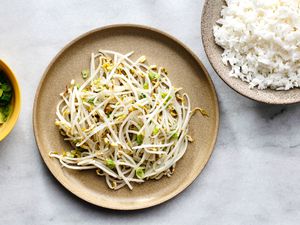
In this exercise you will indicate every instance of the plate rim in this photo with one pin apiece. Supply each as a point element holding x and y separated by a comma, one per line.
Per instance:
<point>115,205</point>
<point>221,75</point>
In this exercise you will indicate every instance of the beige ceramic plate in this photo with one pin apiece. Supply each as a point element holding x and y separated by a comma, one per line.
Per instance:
<point>185,70</point>
<point>211,13</point>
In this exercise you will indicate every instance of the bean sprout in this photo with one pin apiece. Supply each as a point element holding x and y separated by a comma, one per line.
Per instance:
<point>126,121</point>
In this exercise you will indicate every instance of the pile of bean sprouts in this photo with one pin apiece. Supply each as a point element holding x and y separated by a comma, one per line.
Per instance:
<point>126,120</point>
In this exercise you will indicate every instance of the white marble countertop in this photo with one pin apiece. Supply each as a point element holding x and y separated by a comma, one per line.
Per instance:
<point>253,174</point>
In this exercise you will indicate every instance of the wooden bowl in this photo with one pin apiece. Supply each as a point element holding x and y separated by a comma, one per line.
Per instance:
<point>211,13</point>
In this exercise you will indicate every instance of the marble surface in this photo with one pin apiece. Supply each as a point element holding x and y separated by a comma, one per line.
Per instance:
<point>251,178</point>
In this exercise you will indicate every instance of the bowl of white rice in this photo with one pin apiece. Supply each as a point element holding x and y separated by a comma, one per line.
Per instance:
<point>254,46</point>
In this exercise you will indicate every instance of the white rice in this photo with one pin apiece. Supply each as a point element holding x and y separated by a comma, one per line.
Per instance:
<point>261,42</point>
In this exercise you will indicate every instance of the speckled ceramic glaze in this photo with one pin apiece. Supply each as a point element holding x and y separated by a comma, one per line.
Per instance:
<point>185,70</point>
<point>211,13</point>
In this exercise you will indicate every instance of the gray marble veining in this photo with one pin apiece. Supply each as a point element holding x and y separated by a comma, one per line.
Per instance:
<point>252,177</point>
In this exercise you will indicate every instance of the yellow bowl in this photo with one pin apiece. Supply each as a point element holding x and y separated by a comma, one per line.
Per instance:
<point>7,127</point>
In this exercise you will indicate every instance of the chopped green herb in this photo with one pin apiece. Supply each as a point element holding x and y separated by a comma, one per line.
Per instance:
<point>5,87</point>
<point>168,99</point>
<point>2,118</point>
<point>153,75</point>
<point>139,139</point>
<point>139,172</point>
<point>91,101</point>
<point>164,94</point>
<point>6,94</point>
<point>85,73</point>
<point>155,130</point>
<point>175,136</point>
<point>110,163</point>
<point>146,86</point>
<point>6,97</point>
<point>141,96</point>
